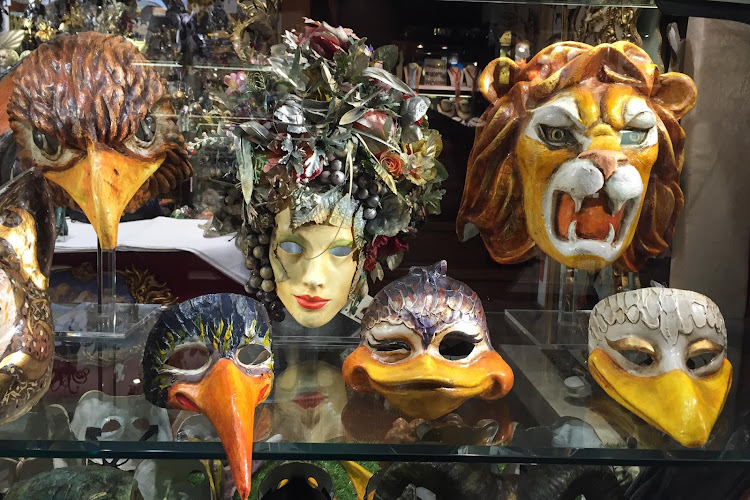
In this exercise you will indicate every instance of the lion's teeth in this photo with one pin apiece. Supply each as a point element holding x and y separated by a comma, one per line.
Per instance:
<point>578,201</point>
<point>611,234</point>
<point>616,205</point>
<point>572,232</point>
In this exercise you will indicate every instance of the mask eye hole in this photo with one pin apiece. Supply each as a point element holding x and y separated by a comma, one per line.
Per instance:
<point>638,358</point>
<point>700,360</point>
<point>557,136</point>
<point>142,424</point>
<point>146,130</point>
<point>190,357</point>
<point>111,425</point>
<point>291,247</point>
<point>702,353</point>
<point>47,144</point>
<point>636,350</point>
<point>389,350</point>
<point>457,345</point>
<point>340,251</point>
<point>633,137</point>
<point>252,355</point>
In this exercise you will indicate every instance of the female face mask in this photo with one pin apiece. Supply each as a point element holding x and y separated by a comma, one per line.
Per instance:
<point>425,346</point>
<point>212,355</point>
<point>662,354</point>
<point>318,264</point>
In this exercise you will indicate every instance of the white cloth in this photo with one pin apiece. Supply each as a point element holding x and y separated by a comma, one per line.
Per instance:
<point>163,234</point>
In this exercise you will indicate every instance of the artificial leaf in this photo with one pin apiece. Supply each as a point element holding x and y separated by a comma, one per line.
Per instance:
<point>352,115</point>
<point>245,168</point>
<point>442,173</point>
<point>257,132</point>
<point>360,63</point>
<point>377,273</point>
<point>379,169</point>
<point>431,197</point>
<point>388,54</point>
<point>393,261</point>
<point>387,78</point>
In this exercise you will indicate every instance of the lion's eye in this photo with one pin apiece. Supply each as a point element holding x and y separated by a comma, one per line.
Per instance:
<point>557,136</point>
<point>633,137</point>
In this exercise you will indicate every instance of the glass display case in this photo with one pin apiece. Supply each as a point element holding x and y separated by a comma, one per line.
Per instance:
<point>452,250</point>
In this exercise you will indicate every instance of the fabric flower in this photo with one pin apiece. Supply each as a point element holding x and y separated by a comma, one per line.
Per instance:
<point>326,40</point>
<point>420,169</point>
<point>378,124</point>
<point>235,82</point>
<point>391,161</point>
<point>382,246</point>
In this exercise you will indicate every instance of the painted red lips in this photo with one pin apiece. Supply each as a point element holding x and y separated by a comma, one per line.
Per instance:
<point>309,302</point>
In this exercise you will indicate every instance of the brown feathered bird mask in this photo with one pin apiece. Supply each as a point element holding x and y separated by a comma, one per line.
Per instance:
<point>91,113</point>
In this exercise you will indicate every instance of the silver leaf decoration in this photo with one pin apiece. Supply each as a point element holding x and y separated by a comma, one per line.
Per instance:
<point>411,133</point>
<point>314,207</point>
<point>290,113</point>
<point>257,132</point>
<point>352,115</point>
<point>387,78</point>
<point>414,108</point>
<point>244,152</point>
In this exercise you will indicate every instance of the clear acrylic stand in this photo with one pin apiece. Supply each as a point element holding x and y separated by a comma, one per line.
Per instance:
<point>107,317</point>
<point>567,324</point>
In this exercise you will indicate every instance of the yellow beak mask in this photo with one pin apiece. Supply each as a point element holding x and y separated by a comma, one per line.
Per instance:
<point>661,353</point>
<point>425,346</point>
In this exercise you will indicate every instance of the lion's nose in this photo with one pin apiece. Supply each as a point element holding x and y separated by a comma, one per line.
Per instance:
<point>605,160</point>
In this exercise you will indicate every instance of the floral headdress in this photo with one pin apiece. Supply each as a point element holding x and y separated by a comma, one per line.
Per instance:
<point>327,130</point>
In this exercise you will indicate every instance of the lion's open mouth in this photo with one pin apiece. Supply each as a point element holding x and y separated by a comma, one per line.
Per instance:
<point>584,215</point>
<point>594,217</point>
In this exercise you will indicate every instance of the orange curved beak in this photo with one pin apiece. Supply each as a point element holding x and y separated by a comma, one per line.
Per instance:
<point>677,404</point>
<point>228,397</point>
<point>426,387</point>
<point>102,184</point>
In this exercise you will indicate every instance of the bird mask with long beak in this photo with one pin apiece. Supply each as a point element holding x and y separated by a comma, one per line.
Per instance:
<point>662,354</point>
<point>91,113</point>
<point>425,346</point>
<point>212,355</point>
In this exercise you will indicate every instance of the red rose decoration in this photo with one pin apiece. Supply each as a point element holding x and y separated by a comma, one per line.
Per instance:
<point>391,161</point>
<point>382,246</point>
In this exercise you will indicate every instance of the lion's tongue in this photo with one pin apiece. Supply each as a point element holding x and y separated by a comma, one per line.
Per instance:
<point>592,220</point>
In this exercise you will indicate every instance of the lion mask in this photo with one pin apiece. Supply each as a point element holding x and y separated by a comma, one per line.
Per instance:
<point>579,154</point>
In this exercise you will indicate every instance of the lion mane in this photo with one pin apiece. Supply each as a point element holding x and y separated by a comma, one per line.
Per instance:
<point>492,201</point>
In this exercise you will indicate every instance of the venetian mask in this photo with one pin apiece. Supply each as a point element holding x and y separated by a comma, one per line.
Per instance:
<point>114,142</point>
<point>101,417</point>
<point>662,354</point>
<point>309,399</point>
<point>425,346</point>
<point>581,157</point>
<point>314,265</point>
<point>212,355</point>
<point>27,239</point>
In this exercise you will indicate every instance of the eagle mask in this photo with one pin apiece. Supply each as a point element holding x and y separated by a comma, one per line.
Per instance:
<point>92,115</point>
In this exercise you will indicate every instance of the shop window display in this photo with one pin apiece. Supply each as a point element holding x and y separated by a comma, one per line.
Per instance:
<point>327,163</point>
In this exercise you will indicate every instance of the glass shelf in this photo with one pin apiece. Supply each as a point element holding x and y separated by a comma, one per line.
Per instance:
<point>540,421</point>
